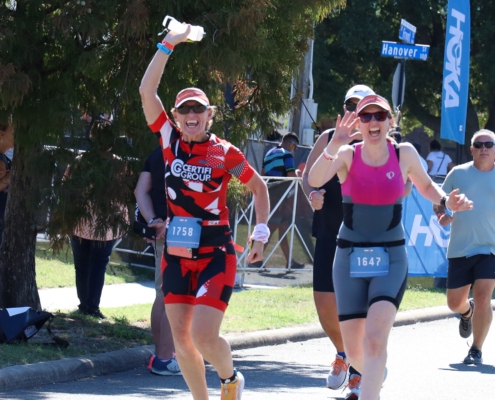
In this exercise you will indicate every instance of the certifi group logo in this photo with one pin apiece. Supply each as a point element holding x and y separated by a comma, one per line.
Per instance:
<point>190,172</point>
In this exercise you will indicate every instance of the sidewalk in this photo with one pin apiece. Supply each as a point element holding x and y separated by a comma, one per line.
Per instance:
<point>121,295</point>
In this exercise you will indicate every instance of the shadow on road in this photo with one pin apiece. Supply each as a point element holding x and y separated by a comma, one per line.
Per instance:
<point>262,378</point>
<point>480,368</point>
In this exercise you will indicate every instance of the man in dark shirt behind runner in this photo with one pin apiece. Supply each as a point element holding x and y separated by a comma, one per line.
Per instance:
<point>279,162</point>
<point>327,202</point>
<point>152,203</point>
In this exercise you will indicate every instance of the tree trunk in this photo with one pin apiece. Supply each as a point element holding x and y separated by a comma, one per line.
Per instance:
<point>17,251</point>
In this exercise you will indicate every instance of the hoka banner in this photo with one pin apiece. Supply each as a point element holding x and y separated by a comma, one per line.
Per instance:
<point>426,240</point>
<point>456,71</point>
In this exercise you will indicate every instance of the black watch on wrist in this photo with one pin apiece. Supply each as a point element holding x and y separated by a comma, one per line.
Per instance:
<point>443,202</point>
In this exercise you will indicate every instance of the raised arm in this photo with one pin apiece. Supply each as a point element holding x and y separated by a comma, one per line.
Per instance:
<point>152,105</point>
<point>336,156</point>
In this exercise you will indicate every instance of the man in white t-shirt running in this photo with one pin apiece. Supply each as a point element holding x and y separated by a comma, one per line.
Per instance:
<point>471,250</point>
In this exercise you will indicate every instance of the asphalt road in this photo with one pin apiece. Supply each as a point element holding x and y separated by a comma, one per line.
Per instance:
<point>425,362</point>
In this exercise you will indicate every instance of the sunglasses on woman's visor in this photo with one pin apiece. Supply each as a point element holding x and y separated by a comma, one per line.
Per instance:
<point>350,106</point>
<point>379,116</point>
<point>197,109</point>
<point>479,145</point>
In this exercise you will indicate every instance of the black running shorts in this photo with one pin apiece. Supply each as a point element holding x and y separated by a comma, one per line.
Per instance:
<point>323,263</point>
<point>464,271</point>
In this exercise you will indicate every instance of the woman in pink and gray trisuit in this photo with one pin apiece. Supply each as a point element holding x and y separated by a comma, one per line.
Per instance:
<point>370,266</point>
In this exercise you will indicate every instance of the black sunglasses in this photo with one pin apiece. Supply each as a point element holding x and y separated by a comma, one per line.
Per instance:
<point>197,109</point>
<point>479,145</point>
<point>350,106</point>
<point>379,116</point>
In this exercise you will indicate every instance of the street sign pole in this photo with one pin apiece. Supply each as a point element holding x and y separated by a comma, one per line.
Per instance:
<point>401,88</point>
<point>404,51</point>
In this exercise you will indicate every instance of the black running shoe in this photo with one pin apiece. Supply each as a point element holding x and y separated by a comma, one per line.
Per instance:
<point>466,325</point>
<point>474,356</point>
<point>98,314</point>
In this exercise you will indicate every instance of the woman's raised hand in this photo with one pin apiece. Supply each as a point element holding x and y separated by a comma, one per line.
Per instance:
<point>344,127</point>
<point>175,38</point>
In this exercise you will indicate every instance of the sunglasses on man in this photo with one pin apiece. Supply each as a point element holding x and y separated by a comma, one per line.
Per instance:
<point>350,106</point>
<point>197,109</point>
<point>380,116</point>
<point>479,145</point>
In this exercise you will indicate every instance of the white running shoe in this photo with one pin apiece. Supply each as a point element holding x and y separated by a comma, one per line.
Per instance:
<point>339,374</point>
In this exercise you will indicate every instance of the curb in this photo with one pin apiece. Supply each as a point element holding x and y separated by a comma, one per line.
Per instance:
<point>69,369</point>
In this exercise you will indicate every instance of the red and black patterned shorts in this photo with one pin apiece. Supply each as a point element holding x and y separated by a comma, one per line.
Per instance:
<point>208,281</point>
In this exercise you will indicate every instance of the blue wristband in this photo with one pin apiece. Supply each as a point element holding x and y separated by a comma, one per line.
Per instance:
<point>164,49</point>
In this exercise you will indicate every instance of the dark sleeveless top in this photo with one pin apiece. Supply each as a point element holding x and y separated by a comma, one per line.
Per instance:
<point>327,221</point>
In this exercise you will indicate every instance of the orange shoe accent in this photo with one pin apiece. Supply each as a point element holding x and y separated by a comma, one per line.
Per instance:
<point>152,357</point>
<point>354,382</point>
<point>339,365</point>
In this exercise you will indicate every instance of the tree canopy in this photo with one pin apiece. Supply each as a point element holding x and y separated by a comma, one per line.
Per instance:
<point>62,60</point>
<point>347,52</point>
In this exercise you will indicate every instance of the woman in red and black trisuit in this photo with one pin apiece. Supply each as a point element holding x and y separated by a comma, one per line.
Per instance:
<point>198,280</point>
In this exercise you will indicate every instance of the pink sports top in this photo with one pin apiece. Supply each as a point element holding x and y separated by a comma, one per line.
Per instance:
<point>372,200</point>
<point>375,186</point>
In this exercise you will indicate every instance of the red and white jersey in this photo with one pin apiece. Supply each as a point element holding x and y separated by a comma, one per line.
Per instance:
<point>197,174</point>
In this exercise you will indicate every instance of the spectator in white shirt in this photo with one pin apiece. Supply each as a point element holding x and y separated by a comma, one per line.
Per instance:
<point>439,163</point>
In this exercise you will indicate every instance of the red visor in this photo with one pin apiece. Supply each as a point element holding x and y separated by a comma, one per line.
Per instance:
<point>373,99</point>
<point>191,94</point>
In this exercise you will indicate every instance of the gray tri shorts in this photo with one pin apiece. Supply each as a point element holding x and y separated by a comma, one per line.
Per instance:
<point>356,295</point>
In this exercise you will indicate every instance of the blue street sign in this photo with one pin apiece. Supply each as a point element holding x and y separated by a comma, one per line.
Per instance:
<point>407,32</point>
<point>416,52</point>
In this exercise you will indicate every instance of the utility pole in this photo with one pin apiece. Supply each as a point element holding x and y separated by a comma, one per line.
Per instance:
<point>304,115</point>
<point>302,89</point>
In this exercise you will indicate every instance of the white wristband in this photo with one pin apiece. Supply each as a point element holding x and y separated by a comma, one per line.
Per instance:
<point>327,155</point>
<point>261,233</point>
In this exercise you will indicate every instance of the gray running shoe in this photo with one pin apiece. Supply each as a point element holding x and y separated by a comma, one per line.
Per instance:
<point>474,356</point>
<point>466,324</point>
<point>338,376</point>
<point>355,387</point>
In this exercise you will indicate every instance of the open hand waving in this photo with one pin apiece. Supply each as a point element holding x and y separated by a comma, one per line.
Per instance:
<point>343,129</point>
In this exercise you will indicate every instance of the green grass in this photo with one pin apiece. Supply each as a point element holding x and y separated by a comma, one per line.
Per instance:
<point>420,293</point>
<point>86,336</point>
<point>254,310</point>
<point>57,270</point>
<point>249,310</point>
